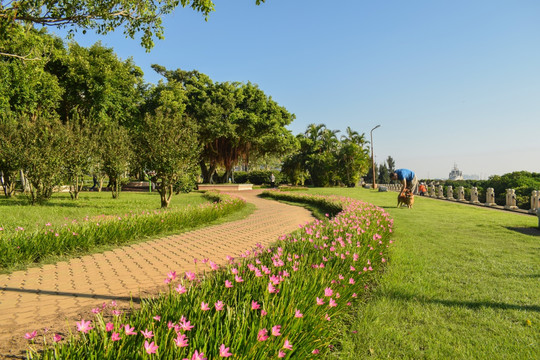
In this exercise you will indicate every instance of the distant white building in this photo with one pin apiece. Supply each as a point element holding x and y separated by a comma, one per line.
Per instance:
<point>455,174</point>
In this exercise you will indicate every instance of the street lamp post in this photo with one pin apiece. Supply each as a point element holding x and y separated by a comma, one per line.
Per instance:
<point>372,158</point>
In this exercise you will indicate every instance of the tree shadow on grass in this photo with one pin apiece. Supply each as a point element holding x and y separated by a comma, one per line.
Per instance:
<point>531,231</point>
<point>473,305</point>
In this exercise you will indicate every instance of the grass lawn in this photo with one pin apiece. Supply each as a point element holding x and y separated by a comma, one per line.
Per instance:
<point>463,282</point>
<point>60,209</point>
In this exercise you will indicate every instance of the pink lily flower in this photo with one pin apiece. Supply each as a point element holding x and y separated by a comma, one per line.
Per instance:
<point>315,351</point>
<point>147,334</point>
<point>84,326</point>
<point>190,275</point>
<point>157,318</point>
<point>109,326</point>
<point>276,330</point>
<point>57,338</point>
<point>298,314</point>
<point>228,284</point>
<point>255,305</point>
<point>129,330</point>
<point>181,340</point>
<point>204,306</point>
<point>219,305</point>
<point>332,303</point>
<point>180,289</point>
<point>262,335</point>
<point>150,348</point>
<point>328,292</point>
<point>320,301</point>
<point>172,275</point>
<point>287,345</point>
<point>263,313</point>
<point>224,351</point>
<point>198,356</point>
<point>238,278</point>
<point>30,336</point>
<point>115,336</point>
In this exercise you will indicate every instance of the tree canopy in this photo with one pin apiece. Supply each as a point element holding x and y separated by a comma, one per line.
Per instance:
<point>144,16</point>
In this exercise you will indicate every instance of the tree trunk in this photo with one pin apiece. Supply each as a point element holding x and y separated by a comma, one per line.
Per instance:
<point>165,193</point>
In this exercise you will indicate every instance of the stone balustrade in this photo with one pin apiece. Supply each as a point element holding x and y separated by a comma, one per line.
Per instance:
<point>437,191</point>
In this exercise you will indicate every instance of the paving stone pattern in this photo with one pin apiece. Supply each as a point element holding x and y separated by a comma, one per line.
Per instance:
<point>57,295</point>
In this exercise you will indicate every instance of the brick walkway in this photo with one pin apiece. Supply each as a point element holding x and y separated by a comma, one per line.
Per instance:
<point>59,294</point>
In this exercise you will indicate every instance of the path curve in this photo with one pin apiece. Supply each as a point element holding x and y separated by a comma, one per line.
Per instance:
<point>54,295</point>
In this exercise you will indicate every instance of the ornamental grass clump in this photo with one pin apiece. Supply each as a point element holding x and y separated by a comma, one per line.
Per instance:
<point>288,300</point>
<point>24,247</point>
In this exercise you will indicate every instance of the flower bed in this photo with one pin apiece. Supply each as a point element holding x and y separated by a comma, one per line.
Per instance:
<point>26,247</point>
<point>285,301</point>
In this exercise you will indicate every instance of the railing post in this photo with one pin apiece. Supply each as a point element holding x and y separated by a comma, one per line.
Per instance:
<point>432,190</point>
<point>490,197</point>
<point>440,194</point>
<point>461,194</point>
<point>510,199</point>
<point>535,201</point>
<point>450,193</point>
<point>474,196</point>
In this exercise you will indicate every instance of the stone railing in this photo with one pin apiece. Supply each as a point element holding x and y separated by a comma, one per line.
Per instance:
<point>437,192</point>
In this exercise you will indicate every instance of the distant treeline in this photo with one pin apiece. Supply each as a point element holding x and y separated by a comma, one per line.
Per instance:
<point>523,182</point>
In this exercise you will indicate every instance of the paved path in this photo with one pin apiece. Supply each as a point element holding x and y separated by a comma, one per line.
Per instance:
<point>59,294</point>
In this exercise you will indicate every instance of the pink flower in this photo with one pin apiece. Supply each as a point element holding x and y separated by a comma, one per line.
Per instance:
<point>320,301</point>
<point>228,284</point>
<point>326,317</point>
<point>150,348</point>
<point>96,310</point>
<point>57,338</point>
<point>281,354</point>
<point>115,336</point>
<point>276,330</point>
<point>157,318</point>
<point>180,289</point>
<point>84,326</point>
<point>172,275</point>
<point>271,288</point>
<point>213,265</point>
<point>116,312</point>
<point>354,295</point>
<point>30,336</point>
<point>263,313</point>
<point>198,356</point>
<point>147,334</point>
<point>332,303</point>
<point>224,351</point>
<point>190,275</point>
<point>219,305</point>
<point>186,325</point>
<point>181,340</point>
<point>315,351</point>
<point>287,345</point>
<point>383,260</point>
<point>262,335</point>
<point>204,306</point>
<point>109,326</point>
<point>328,292</point>
<point>298,314</point>
<point>170,324</point>
<point>238,278</point>
<point>129,330</point>
<point>234,271</point>
<point>351,281</point>
<point>255,305</point>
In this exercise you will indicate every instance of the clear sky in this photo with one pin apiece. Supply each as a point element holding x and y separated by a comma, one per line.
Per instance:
<point>449,81</point>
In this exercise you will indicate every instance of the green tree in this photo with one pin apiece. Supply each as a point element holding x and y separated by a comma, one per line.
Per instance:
<point>235,121</point>
<point>117,153</point>
<point>78,156</point>
<point>135,17</point>
<point>166,149</point>
<point>384,175</point>
<point>44,141</point>
<point>11,150</point>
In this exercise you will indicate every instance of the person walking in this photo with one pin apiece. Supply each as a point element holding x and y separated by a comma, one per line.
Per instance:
<point>408,180</point>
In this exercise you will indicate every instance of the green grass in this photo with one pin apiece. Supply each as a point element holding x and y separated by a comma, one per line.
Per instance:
<point>463,283</point>
<point>61,209</point>
<point>92,234</point>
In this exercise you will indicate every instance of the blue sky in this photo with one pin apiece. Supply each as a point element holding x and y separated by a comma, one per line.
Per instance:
<point>448,81</point>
